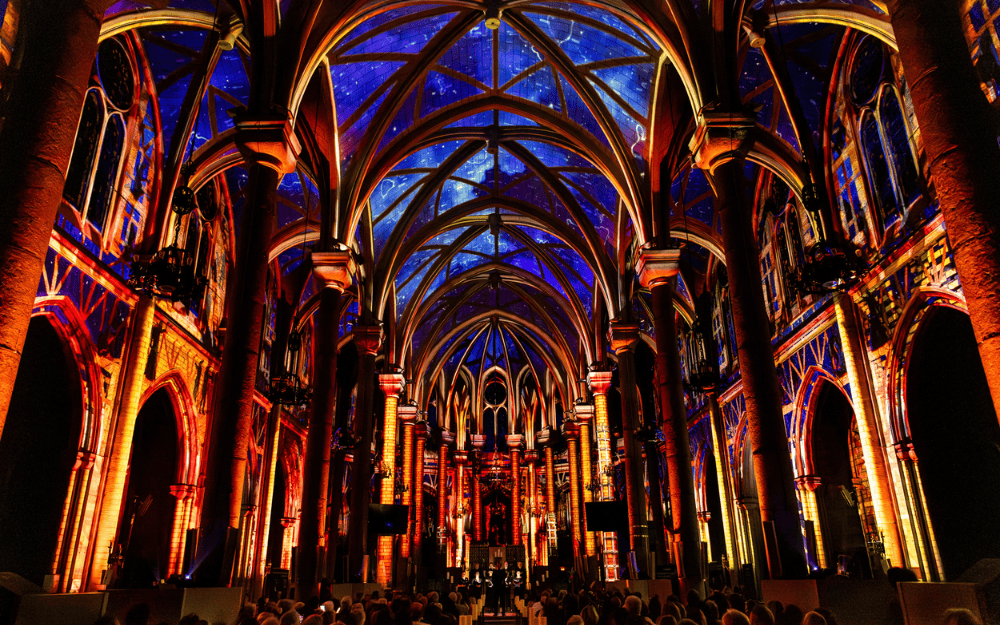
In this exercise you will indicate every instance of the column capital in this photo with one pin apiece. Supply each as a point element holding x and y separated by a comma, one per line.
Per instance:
<point>421,430</point>
<point>531,456</point>
<point>571,429</point>
<point>599,381</point>
<point>391,383</point>
<point>461,457</point>
<point>584,412</point>
<point>367,338</point>
<point>288,521</point>
<point>447,439</point>
<point>182,491</point>
<point>478,440</point>
<point>704,516</point>
<point>267,139</point>
<point>721,136</point>
<point>407,413</point>
<point>657,267</point>
<point>334,270</point>
<point>86,459</point>
<point>515,442</point>
<point>904,450</point>
<point>543,437</point>
<point>808,482</point>
<point>623,336</point>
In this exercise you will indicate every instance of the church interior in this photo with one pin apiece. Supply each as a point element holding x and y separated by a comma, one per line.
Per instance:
<point>305,295</point>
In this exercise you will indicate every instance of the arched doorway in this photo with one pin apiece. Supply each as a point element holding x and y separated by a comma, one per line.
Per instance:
<point>37,453</point>
<point>956,439</point>
<point>276,531</point>
<point>843,490</point>
<point>713,503</point>
<point>147,520</point>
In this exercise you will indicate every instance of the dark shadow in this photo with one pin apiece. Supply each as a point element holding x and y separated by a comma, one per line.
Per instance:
<point>37,453</point>
<point>276,531</point>
<point>956,439</point>
<point>148,508</point>
<point>840,523</point>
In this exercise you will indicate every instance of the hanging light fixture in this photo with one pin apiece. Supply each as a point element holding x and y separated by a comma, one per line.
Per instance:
<point>170,273</point>
<point>287,389</point>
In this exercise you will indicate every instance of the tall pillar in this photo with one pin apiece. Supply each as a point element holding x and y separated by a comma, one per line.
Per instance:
<point>269,146</point>
<point>572,433</point>
<point>856,362</point>
<point>624,337</point>
<point>656,269</point>
<point>765,421</point>
<point>656,521</point>
<point>333,272</point>
<point>964,159</point>
<point>720,449</point>
<point>584,414</point>
<point>807,485</point>
<point>391,385</point>
<point>367,339</point>
<point>447,440</point>
<point>121,444</point>
<point>534,507</point>
<point>461,461</point>
<point>550,489</point>
<point>477,499</point>
<point>57,46</point>
<point>420,435</point>
<point>600,382</point>
<point>407,414</point>
<point>515,442</point>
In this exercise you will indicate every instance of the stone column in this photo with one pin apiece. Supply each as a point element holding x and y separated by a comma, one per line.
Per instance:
<point>623,337</point>
<point>515,442</point>
<point>584,415</point>
<point>407,414</point>
<point>656,269</point>
<point>765,421</point>
<point>57,44</point>
<point>420,435</point>
<point>121,444</point>
<point>720,449</point>
<point>600,382</point>
<point>550,485</point>
<point>478,442</point>
<point>572,433</point>
<point>333,272</point>
<point>955,121</point>
<point>184,494</point>
<point>367,339</point>
<point>531,459</point>
<point>856,362</point>
<point>391,385</point>
<point>447,441</point>
<point>807,485</point>
<point>269,146</point>
<point>461,461</point>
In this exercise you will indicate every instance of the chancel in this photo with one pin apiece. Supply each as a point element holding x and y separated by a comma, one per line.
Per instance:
<point>312,299</point>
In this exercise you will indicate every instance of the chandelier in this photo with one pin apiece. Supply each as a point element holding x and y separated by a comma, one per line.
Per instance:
<point>825,268</point>
<point>170,273</point>
<point>287,389</point>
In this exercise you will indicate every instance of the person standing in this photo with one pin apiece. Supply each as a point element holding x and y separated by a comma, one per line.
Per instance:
<point>499,578</point>
<point>518,580</point>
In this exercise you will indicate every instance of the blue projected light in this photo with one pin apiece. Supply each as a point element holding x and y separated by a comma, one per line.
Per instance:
<point>582,43</point>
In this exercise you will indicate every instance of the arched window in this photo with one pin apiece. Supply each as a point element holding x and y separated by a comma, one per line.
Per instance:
<point>878,167</point>
<point>93,181</point>
<point>884,138</point>
<point>897,139</point>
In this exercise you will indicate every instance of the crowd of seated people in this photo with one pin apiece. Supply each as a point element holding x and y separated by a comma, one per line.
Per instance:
<point>589,606</point>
